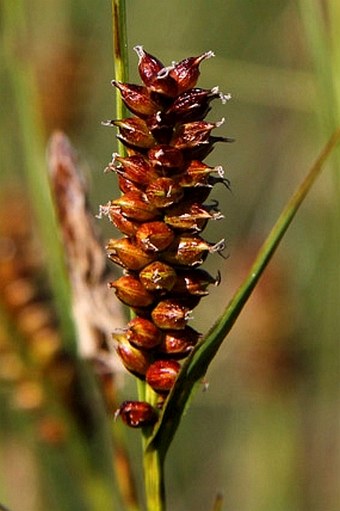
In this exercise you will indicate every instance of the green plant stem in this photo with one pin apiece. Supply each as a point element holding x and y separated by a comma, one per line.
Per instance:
<point>195,367</point>
<point>120,56</point>
<point>154,480</point>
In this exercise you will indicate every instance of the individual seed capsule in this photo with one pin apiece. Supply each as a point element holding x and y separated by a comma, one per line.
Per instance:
<point>197,174</point>
<point>171,314</point>
<point>166,157</point>
<point>164,192</point>
<point>154,236</point>
<point>127,186</point>
<point>127,254</point>
<point>193,133</point>
<point>158,276</point>
<point>194,282</point>
<point>131,291</point>
<point>123,224</point>
<point>191,105</point>
<point>155,76</point>
<point>188,216</point>
<point>161,374</point>
<point>190,251</point>
<point>143,334</point>
<point>134,205</point>
<point>133,132</point>
<point>136,98</point>
<point>136,168</point>
<point>137,414</point>
<point>136,361</point>
<point>179,343</point>
<point>148,65</point>
<point>186,72</point>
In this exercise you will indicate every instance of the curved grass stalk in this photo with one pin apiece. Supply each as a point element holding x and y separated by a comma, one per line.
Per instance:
<point>196,365</point>
<point>120,55</point>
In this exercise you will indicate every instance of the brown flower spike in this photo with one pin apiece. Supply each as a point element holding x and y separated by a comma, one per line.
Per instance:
<point>161,214</point>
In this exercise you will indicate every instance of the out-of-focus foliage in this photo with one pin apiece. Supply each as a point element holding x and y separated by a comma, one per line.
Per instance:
<point>265,433</point>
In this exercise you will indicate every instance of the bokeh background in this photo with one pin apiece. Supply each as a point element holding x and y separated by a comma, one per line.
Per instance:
<point>266,432</point>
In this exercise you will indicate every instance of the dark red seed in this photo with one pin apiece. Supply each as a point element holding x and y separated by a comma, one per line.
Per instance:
<point>127,186</point>
<point>164,192</point>
<point>171,314</point>
<point>133,132</point>
<point>135,205</point>
<point>136,98</point>
<point>166,157</point>
<point>148,65</point>
<point>136,168</point>
<point>127,254</point>
<point>193,282</point>
<point>179,343</point>
<point>136,361</point>
<point>186,72</point>
<point>154,236</point>
<point>158,276</point>
<point>190,250</point>
<point>122,223</point>
<point>186,216</point>
<point>193,133</point>
<point>143,334</point>
<point>131,291</point>
<point>161,375</point>
<point>191,105</point>
<point>197,174</point>
<point>137,414</point>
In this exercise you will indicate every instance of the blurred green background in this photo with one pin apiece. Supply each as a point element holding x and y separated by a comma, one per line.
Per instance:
<point>266,431</point>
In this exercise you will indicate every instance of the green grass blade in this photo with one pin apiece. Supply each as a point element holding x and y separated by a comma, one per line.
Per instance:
<point>120,56</point>
<point>31,131</point>
<point>197,364</point>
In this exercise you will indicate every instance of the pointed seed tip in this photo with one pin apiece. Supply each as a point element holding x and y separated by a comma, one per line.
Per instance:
<point>219,123</point>
<point>139,50</point>
<point>207,55</point>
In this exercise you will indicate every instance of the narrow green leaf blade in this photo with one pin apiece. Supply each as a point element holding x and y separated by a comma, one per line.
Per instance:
<point>196,365</point>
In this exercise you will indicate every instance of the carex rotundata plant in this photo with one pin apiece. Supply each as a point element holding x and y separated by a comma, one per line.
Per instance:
<point>161,213</point>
